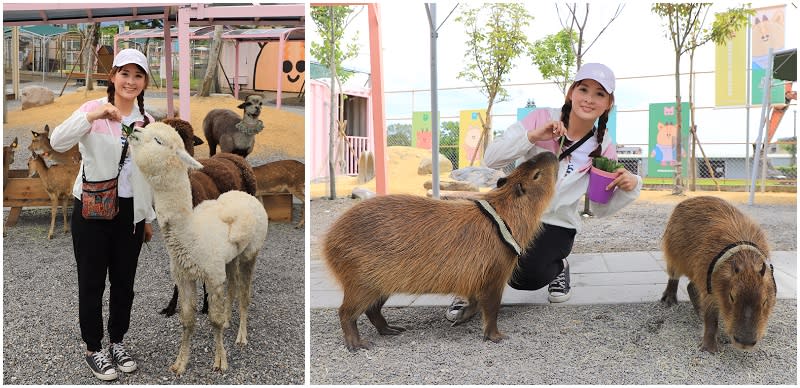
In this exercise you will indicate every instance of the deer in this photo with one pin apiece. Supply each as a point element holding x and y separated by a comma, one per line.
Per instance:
<point>40,144</point>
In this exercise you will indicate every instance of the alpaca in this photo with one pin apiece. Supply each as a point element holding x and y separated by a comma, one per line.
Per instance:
<point>232,133</point>
<point>223,172</point>
<point>57,180</point>
<point>216,242</point>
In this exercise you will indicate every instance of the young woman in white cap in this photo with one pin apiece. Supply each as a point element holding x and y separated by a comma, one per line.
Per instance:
<point>570,133</point>
<point>109,246</point>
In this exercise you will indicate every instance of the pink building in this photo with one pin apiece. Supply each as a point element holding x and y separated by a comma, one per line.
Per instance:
<point>359,130</point>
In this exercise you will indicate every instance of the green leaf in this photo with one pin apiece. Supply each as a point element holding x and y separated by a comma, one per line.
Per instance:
<point>606,164</point>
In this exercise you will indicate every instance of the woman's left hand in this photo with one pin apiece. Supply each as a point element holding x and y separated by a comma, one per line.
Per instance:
<point>625,180</point>
<point>148,232</point>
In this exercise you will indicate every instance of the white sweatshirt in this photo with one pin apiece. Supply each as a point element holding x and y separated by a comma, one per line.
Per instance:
<point>100,145</point>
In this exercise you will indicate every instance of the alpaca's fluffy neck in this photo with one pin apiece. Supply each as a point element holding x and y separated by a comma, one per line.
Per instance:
<point>173,202</point>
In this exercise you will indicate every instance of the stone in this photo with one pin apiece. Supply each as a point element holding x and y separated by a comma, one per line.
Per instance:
<point>479,176</point>
<point>362,193</point>
<point>426,165</point>
<point>452,185</point>
<point>366,167</point>
<point>35,95</point>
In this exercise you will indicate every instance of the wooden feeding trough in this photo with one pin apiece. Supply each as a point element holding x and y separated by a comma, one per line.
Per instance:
<point>21,191</point>
<point>278,205</point>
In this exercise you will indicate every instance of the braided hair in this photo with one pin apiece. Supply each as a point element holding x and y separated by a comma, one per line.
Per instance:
<point>600,133</point>
<point>111,92</point>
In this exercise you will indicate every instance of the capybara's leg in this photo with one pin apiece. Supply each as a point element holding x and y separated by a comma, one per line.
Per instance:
<point>694,297</point>
<point>670,295</point>
<point>711,320</point>
<point>490,305</point>
<point>355,302</point>
<point>470,310</point>
<point>377,319</point>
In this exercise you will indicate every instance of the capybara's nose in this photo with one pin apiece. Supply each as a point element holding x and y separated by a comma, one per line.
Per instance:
<point>745,341</point>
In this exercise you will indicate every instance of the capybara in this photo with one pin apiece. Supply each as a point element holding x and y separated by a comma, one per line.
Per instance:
<point>725,255</point>
<point>416,245</point>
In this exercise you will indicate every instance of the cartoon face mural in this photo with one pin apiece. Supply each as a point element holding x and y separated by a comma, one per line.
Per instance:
<point>292,68</point>
<point>768,32</point>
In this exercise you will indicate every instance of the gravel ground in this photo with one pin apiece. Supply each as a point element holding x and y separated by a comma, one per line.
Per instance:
<point>41,337</point>
<point>591,344</point>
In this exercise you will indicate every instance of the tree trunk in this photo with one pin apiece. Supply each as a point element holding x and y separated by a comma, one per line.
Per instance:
<point>333,130</point>
<point>93,37</point>
<point>213,58</point>
<point>678,189</point>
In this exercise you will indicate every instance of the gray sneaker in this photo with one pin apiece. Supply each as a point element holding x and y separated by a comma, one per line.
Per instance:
<point>456,309</point>
<point>101,366</point>
<point>121,357</point>
<point>559,289</point>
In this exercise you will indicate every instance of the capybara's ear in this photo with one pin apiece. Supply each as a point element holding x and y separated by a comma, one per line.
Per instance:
<point>519,189</point>
<point>763,268</point>
<point>242,105</point>
<point>501,182</point>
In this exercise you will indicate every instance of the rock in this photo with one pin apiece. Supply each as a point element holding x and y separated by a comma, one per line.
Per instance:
<point>366,167</point>
<point>426,166</point>
<point>360,192</point>
<point>452,185</point>
<point>479,176</point>
<point>34,95</point>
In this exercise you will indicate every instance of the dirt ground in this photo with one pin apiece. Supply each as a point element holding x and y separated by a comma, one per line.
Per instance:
<point>283,135</point>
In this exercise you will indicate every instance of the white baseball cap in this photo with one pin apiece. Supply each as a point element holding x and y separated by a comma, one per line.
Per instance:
<point>598,72</point>
<point>134,56</point>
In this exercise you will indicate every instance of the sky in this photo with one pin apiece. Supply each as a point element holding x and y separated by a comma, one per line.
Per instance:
<point>633,45</point>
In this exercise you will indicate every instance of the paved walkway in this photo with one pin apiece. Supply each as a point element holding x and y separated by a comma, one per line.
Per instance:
<point>597,278</point>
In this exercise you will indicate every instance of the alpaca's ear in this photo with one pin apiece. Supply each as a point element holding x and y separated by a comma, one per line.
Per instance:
<point>243,105</point>
<point>188,160</point>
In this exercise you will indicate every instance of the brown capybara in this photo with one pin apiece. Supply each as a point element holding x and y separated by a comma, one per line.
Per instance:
<point>724,254</point>
<point>416,245</point>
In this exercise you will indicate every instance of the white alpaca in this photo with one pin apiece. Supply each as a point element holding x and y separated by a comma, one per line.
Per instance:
<point>217,242</point>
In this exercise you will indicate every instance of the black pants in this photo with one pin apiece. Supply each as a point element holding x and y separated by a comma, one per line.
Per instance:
<point>542,261</point>
<point>106,247</point>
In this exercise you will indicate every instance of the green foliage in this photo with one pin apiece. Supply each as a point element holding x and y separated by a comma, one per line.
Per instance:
<point>496,37</point>
<point>555,58</point>
<point>606,164</point>
<point>789,171</point>
<point>398,135</point>
<point>788,144</point>
<point>684,23</point>
<point>321,51</point>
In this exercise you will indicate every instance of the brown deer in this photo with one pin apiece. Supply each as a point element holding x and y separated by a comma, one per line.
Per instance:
<point>40,145</point>
<point>58,181</point>
<point>8,159</point>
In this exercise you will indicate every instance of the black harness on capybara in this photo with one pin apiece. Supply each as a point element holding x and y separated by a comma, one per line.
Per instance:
<point>727,252</point>
<point>502,228</point>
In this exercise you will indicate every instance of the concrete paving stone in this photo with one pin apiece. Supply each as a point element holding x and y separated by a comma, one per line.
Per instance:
<point>785,261</point>
<point>631,261</point>
<point>619,278</point>
<point>587,263</point>
<point>787,285</point>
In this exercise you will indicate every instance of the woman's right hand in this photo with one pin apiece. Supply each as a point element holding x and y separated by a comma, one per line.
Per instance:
<point>550,130</point>
<point>105,111</point>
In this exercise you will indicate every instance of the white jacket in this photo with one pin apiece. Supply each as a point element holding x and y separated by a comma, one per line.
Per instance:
<point>513,146</point>
<point>101,147</point>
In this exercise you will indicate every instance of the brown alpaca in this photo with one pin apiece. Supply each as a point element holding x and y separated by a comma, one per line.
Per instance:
<point>283,175</point>
<point>235,134</point>
<point>58,181</point>
<point>415,245</point>
<point>740,288</point>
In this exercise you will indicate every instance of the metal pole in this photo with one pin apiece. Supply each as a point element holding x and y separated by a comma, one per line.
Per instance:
<point>765,101</point>
<point>431,8</point>
<point>747,106</point>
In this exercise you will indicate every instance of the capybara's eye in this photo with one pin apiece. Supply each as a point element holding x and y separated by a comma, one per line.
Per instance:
<point>731,295</point>
<point>536,176</point>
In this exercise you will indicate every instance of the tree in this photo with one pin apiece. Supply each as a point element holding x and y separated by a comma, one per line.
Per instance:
<point>554,56</point>
<point>580,25</point>
<point>331,22</point>
<point>210,79</point>
<point>92,39</point>
<point>398,135</point>
<point>684,23</point>
<point>496,38</point>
